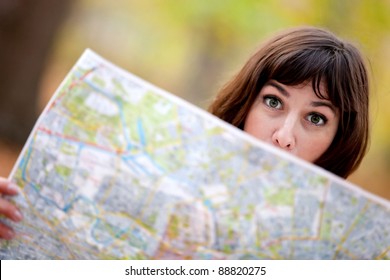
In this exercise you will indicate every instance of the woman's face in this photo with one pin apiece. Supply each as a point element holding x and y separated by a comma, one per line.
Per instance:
<point>294,119</point>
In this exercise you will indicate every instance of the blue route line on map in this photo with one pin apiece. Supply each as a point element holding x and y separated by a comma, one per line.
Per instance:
<point>25,160</point>
<point>126,133</point>
<point>67,206</point>
<point>111,97</point>
<point>94,234</point>
<point>141,132</point>
<point>114,232</point>
<point>133,165</point>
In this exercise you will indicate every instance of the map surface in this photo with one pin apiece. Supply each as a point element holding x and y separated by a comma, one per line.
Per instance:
<point>116,168</point>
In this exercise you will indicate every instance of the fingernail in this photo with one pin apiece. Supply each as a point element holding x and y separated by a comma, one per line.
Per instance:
<point>17,216</point>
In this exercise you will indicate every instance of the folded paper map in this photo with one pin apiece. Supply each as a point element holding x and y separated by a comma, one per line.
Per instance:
<point>117,168</point>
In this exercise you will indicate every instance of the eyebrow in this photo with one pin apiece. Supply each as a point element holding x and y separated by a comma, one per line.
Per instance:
<point>284,92</point>
<point>324,103</point>
<point>280,88</point>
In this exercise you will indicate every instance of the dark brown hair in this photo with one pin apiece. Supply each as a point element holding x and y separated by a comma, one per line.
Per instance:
<point>308,54</point>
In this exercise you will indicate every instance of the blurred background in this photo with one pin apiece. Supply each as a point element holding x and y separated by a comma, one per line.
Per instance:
<point>188,47</point>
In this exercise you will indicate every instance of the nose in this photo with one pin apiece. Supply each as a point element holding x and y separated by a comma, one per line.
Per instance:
<point>284,134</point>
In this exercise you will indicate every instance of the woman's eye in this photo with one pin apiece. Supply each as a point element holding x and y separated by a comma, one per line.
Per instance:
<point>317,119</point>
<point>272,102</point>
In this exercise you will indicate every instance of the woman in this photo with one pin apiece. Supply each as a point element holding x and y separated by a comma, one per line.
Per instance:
<point>307,92</point>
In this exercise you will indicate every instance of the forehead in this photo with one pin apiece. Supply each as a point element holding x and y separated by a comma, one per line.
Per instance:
<point>320,90</point>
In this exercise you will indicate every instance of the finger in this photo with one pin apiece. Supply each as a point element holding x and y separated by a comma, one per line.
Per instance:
<point>7,187</point>
<point>10,211</point>
<point>6,232</point>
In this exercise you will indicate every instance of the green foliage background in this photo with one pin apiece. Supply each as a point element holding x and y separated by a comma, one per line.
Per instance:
<point>191,47</point>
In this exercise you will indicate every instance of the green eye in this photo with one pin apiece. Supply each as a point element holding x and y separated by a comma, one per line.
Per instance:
<point>317,119</point>
<point>272,102</point>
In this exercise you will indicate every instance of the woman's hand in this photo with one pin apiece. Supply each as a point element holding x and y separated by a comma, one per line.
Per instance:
<point>7,209</point>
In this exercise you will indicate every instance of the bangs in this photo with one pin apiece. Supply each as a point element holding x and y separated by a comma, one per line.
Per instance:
<point>315,66</point>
